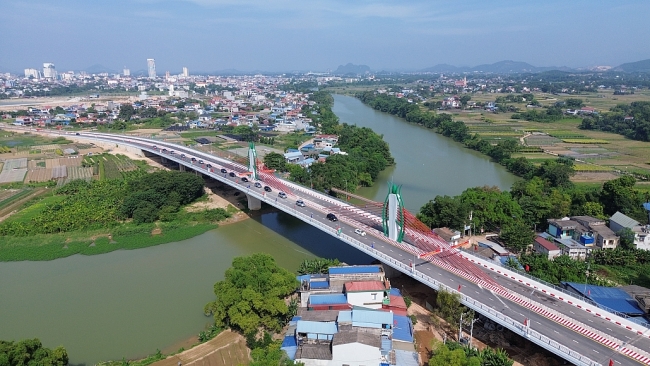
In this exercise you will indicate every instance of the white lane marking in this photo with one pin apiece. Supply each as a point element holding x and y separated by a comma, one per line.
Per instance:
<point>571,312</point>
<point>476,292</point>
<point>589,320</point>
<point>610,329</point>
<point>595,351</point>
<point>556,331</point>
<point>574,340</point>
<point>495,295</point>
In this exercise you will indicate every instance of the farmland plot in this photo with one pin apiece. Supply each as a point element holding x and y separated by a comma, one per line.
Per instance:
<point>38,175</point>
<point>15,164</point>
<point>59,172</point>
<point>77,172</point>
<point>13,175</point>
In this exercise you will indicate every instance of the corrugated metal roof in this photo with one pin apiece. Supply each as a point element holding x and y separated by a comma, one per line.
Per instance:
<point>289,341</point>
<point>406,358</point>
<point>319,284</point>
<point>345,316</point>
<point>372,317</point>
<point>623,220</point>
<point>362,286</point>
<point>546,244</point>
<point>395,292</point>
<point>397,301</point>
<point>305,326</point>
<point>402,328</point>
<point>327,299</point>
<point>611,297</point>
<point>647,206</point>
<point>354,269</point>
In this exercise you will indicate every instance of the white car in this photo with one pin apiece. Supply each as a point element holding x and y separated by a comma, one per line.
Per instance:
<point>360,232</point>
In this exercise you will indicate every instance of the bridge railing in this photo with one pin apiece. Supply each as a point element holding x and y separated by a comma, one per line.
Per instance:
<point>491,313</point>
<point>555,287</point>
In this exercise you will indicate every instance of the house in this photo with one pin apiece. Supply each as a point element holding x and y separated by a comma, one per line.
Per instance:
<point>594,231</point>
<point>545,247</point>
<point>369,294</point>
<point>619,221</point>
<point>572,248</point>
<point>450,236</point>
<point>293,157</point>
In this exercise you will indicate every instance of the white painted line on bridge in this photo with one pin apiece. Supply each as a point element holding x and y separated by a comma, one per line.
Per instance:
<point>574,340</point>
<point>595,351</point>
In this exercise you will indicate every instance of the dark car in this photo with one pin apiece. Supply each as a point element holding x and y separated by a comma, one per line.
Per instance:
<point>224,170</point>
<point>182,155</point>
<point>267,188</point>
<point>209,166</point>
<point>244,179</point>
<point>332,217</point>
<point>258,184</point>
<point>232,174</point>
<point>154,147</point>
<point>78,134</point>
<point>193,159</point>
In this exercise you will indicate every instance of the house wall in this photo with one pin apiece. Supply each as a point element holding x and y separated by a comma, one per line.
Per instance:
<point>355,354</point>
<point>615,226</point>
<point>366,299</point>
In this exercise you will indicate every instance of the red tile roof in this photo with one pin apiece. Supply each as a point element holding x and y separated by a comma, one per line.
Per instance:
<point>361,286</point>
<point>546,244</point>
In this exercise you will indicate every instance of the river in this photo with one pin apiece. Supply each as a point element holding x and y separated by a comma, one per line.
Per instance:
<point>130,303</point>
<point>427,164</point>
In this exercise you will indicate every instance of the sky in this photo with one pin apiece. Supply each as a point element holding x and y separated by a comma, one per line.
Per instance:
<point>319,35</point>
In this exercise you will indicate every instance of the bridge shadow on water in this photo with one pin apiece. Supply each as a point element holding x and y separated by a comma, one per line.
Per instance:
<point>312,239</point>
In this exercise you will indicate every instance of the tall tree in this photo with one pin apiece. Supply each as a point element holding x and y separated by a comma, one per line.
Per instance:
<point>251,296</point>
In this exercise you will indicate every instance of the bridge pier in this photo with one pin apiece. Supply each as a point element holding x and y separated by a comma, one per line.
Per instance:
<point>254,204</point>
<point>181,167</point>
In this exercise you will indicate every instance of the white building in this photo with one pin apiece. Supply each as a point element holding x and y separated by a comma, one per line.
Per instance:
<point>619,221</point>
<point>368,294</point>
<point>126,72</point>
<point>32,73</point>
<point>49,72</point>
<point>151,68</point>
<point>186,73</point>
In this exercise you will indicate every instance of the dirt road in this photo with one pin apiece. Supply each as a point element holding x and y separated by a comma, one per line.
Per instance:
<point>228,348</point>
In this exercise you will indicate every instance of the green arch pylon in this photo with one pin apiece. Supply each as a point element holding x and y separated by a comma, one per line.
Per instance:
<point>396,190</point>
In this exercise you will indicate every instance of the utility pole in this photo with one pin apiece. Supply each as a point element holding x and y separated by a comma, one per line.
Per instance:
<point>460,328</point>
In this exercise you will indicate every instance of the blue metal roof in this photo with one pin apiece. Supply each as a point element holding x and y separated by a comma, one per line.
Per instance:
<point>355,269</point>
<point>306,326</point>
<point>647,206</point>
<point>289,341</point>
<point>611,297</point>
<point>395,292</point>
<point>319,284</point>
<point>345,316</point>
<point>371,317</point>
<point>402,328</point>
<point>328,299</point>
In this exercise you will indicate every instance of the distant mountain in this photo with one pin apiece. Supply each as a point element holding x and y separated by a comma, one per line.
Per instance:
<point>501,67</point>
<point>98,69</point>
<point>639,66</point>
<point>352,69</point>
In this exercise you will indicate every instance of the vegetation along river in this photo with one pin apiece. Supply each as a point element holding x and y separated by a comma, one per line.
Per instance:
<point>130,303</point>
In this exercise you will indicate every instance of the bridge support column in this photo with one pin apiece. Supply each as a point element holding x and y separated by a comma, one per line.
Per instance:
<point>254,204</point>
<point>163,159</point>
<point>181,167</point>
<point>393,231</point>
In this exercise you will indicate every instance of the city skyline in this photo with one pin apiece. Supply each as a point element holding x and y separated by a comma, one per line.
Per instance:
<point>250,35</point>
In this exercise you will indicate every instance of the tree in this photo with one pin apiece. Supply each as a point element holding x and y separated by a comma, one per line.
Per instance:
<point>627,238</point>
<point>317,265</point>
<point>126,112</point>
<point>251,296</point>
<point>517,235</point>
<point>275,161</point>
<point>271,355</point>
<point>31,352</point>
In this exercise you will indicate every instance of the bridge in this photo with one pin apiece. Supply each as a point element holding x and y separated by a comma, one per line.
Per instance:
<point>567,325</point>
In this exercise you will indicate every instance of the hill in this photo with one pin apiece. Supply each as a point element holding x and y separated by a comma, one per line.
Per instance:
<point>501,67</point>
<point>639,66</point>
<point>352,69</point>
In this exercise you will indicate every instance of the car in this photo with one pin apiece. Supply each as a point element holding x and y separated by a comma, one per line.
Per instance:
<point>232,174</point>
<point>154,147</point>
<point>182,155</point>
<point>200,161</point>
<point>172,152</point>
<point>300,203</point>
<point>332,217</point>
<point>193,159</point>
<point>282,195</point>
<point>360,232</point>
<point>78,134</point>
<point>258,184</point>
<point>209,166</point>
<point>164,150</point>
<point>267,188</point>
<point>224,170</point>
<point>244,179</point>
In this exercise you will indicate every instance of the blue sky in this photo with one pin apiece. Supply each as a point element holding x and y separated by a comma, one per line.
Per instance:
<point>317,35</point>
